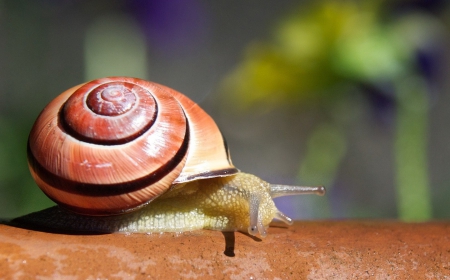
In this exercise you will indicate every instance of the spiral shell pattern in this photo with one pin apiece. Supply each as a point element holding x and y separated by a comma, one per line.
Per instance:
<point>114,144</point>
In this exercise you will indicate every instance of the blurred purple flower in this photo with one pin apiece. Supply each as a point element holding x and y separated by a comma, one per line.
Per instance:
<point>381,98</point>
<point>424,5</point>
<point>429,64</point>
<point>171,25</point>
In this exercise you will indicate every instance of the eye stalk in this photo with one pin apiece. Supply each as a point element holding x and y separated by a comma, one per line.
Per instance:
<point>256,224</point>
<point>286,190</point>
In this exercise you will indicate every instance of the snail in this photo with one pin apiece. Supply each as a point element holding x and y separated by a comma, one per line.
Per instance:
<point>121,154</point>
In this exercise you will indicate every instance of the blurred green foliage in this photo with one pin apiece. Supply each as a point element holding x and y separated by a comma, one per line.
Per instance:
<point>325,44</point>
<point>318,55</point>
<point>18,193</point>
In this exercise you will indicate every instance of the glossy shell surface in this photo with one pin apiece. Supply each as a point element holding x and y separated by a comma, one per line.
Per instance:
<point>114,144</point>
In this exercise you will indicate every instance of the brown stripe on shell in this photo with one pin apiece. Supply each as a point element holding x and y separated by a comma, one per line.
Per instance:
<point>115,193</point>
<point>88,116</point>
<point>227,151</point>
<point>87,189</point>
<point>65,127</point>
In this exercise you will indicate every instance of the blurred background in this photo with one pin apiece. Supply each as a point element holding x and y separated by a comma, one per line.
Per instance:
<point>352,95</point>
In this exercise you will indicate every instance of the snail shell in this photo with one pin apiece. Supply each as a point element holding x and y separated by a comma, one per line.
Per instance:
<point>114,144</point>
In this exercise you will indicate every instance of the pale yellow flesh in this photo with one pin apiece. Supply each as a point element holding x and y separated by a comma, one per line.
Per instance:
<point>240,202</point>
<point>218,204</point>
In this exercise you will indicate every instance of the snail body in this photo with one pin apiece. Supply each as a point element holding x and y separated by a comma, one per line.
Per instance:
<point>124,154</point>
<point>240,202</point>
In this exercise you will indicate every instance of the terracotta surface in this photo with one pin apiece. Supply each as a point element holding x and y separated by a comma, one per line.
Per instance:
<point>307,250</point>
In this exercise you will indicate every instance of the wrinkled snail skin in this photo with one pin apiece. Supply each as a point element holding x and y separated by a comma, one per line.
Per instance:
<point>122,154</point>
<point>241,202</point>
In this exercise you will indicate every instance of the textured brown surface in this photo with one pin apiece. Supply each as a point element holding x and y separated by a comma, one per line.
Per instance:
<point>307,250</point>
